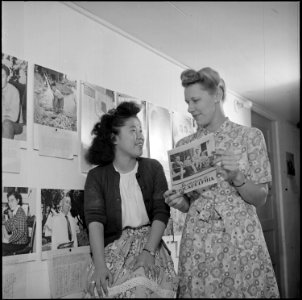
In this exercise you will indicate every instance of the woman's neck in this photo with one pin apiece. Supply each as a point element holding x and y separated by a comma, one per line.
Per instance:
<point>217,121</point>
<point>124,165</point>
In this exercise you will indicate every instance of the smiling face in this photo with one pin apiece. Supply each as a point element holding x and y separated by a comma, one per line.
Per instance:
<point>12,202</point>
<point>130,139</point>
<point>201,105</point>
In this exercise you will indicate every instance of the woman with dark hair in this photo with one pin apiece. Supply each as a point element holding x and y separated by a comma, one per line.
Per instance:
<point>16,226</point>
<point>125,212</point>
<point>223,253</point>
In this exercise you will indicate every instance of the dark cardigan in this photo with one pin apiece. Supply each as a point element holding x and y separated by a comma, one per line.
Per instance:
<point>102,199</point>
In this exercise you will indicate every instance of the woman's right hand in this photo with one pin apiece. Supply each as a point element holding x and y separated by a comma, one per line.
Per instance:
<point>176,200</point>
<point>100,279</point>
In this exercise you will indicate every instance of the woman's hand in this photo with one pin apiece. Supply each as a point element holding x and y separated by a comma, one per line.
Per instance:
<point>176,200</point>
<point>145,260</point>
<point>100,279</point>
<point>227,163</point>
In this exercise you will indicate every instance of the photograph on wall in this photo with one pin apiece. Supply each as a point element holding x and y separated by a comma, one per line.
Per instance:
<point>55,113</point>
<point>182,126</point>
<point>14,98</point>
<point>160,134</point>
<point>142,115</point>
<point>11,156</point>
<point>63,221</point>
<point>95,101</point>
<point>18,220</point>
<point>191,165</point>
<point>290,164</point>
<point>55,102</point>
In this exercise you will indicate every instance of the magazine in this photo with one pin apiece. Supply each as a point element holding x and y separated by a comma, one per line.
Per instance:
<point>191,165</point>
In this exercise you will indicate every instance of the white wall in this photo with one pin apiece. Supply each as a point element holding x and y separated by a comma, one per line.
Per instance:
<point>290,190</point>
<point>57,37</point>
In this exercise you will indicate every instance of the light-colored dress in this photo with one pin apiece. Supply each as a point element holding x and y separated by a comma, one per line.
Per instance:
<point>223,253</point>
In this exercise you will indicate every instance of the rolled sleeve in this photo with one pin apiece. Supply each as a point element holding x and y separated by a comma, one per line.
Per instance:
<point>94,204</point>
<point>161,211</point>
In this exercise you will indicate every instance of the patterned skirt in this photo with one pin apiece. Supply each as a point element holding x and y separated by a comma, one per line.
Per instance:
<point>135,284</point>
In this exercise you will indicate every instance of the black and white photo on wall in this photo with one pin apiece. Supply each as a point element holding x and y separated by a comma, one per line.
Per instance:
<point>63,221</point>
<point>18,220</point>
<point>290,164</point>
<point>54,99</point>
<point>95,101</point>
<point>160,134</point>
<point>14,97</point>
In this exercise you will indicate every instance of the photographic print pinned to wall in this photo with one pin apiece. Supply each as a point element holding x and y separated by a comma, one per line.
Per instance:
<point>55,113</point>
<point>290,164</point>
<point>95,101</point>
<point>142,115</point>
<point>19,211</point>
<point>182,126</point>
<point>14,98</point>
<point>63,221</point>
<point>160,134</point>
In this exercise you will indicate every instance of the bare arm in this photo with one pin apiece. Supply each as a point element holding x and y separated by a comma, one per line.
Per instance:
<point>252,193</point>
<point>96,238</point>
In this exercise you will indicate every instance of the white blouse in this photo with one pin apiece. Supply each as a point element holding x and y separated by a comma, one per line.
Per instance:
<point>134,213</point>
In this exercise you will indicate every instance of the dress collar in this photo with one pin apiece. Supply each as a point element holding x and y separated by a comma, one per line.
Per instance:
<point>205,131</point>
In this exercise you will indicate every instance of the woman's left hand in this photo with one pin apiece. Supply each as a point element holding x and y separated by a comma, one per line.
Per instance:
<point>145,260</point>
<point>227,163</point>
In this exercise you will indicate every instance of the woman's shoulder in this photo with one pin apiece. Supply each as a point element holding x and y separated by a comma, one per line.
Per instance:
<point>147,161</point>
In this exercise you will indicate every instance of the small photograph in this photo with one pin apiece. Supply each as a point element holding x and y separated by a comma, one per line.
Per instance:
<point>95,101</point>
<point>18,221</point>
<point>191,161</point>
<point>14,97</point>
<point>63,222</point>
<point>55,103</point>
<point>290,163</point>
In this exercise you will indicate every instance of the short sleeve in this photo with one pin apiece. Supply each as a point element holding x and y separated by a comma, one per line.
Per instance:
<point>259,164</point>
<point>94,204</point>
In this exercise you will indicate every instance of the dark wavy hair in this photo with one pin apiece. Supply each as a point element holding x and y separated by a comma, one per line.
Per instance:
<point>17,195</point>
<point>101,151</point>
<point>207,77</point>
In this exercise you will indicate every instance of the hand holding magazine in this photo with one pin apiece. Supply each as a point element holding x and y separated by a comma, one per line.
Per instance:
<point>191,165</point>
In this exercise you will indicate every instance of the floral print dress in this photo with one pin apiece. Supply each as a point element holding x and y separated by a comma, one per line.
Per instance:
<point>223,253</point>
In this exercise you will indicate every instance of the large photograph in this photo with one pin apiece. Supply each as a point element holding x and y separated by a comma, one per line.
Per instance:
<point>55,102</point>
<point>160,133</point>
<point>14,97</point>
<point>63,221</point>
<point>191,165</point>
<point>95,101</point>
<point>18,220</point>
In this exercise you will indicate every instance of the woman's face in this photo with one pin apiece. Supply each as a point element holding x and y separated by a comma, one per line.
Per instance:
<point>201,105</point>
<point>130,139</point>
<point>12,202</point>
